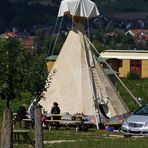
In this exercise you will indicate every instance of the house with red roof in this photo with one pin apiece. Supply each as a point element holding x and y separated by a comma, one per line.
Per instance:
<point>7,35</point>
<point>29,44</point>
<point>139,34</point>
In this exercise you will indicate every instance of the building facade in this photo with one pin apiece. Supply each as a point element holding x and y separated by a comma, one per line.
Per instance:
<point>125,61</point>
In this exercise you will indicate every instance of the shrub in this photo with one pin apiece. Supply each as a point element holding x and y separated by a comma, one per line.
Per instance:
<point>133,76</point>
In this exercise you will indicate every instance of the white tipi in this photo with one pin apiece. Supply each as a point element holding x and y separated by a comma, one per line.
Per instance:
<point>78,82</point>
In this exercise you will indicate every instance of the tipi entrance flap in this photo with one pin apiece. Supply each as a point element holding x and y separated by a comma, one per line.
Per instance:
<point>105,89</point>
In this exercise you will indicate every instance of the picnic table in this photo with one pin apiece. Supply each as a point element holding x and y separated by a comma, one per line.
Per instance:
<point>22,137</point>
<point>50,122</point>
<point>27,120</point>
<point>19,121</point>
<point>66,123</point>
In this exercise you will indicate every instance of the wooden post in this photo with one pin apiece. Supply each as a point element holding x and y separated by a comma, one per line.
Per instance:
<point>7,133</point>
<point>38,128</point>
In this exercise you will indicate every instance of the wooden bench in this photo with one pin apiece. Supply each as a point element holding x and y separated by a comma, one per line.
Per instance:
<point>22,137</point>
<point>20,122</point>
<point>28,122</point>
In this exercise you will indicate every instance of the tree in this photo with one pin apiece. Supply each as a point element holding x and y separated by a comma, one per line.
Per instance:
<point>11,70</point>
<point>42,41</point>
<point>11,77</point>
<point>109,27</point>
<point>98,45</point>
<point>19,71</point>
<point>127,39</point>
<point>100,35</point>
<point>112,43</point>
<point>36,74</point>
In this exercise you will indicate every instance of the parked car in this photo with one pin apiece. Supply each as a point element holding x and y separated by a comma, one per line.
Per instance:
<point>137,123</point>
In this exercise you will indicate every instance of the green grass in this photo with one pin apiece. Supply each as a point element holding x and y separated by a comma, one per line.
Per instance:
<point>139,88</point>
<point>90,139</point>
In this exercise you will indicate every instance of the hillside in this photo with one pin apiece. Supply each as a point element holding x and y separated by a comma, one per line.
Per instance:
<point>24,14</point>
<point>104,5</point>
<point>119,6</point>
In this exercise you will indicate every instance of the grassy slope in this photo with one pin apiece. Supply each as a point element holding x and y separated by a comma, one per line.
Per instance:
<point>139,88</point>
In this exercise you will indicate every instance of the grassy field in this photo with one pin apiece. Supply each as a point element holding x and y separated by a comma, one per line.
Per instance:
<point>91,139</point>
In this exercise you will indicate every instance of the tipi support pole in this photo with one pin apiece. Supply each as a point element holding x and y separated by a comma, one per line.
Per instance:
<point>115,74</point>
<point>88,57</point>
<point>97,122</point>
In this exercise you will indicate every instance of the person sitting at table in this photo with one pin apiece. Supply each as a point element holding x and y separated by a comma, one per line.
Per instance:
<point>21,114</point>
<point>43,119</point>
<point>56,110</point>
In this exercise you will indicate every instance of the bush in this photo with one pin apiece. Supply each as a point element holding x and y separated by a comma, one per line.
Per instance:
<point>132,76</point>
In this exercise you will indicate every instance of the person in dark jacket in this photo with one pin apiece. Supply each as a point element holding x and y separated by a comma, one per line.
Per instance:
<point>56,110</point>
<point>21,114</point>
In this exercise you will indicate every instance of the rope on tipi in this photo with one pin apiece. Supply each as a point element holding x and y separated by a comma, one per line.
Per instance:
<point>52,38</point>
<point>88,28</point>
<point>57,35</point>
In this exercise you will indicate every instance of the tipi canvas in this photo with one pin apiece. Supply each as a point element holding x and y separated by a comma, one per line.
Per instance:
<point>70,84</point>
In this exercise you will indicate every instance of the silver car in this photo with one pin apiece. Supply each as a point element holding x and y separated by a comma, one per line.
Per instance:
<point>137,123</point>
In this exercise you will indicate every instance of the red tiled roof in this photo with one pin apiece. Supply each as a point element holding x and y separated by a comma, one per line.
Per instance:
<point>28,42</point>
<point>145,36</point>
<point>137,31</point>
<point>10,34</point>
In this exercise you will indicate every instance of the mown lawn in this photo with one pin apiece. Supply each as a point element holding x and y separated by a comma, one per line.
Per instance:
<point>91,139</point>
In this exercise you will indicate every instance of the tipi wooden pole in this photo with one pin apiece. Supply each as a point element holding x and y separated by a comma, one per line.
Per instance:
<point>89,57</point>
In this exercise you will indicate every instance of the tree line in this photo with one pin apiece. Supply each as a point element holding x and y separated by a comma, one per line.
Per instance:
<point>23,15</point>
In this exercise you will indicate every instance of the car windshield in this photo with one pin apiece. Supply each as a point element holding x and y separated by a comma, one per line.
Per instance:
<point>142,111</point>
